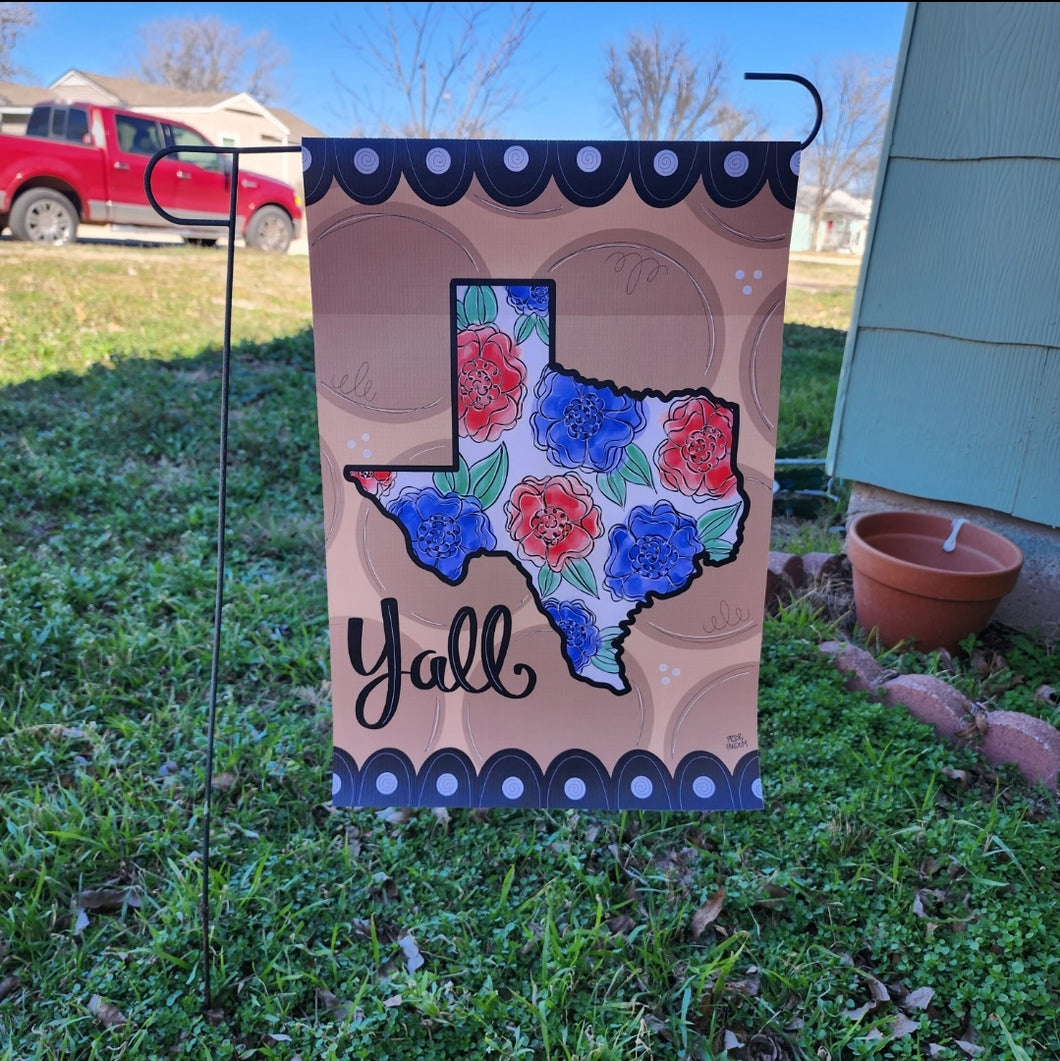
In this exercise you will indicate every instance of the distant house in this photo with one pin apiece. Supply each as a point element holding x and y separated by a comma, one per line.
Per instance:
<point>227,120</point>
<point>844,223</point>
<point>949,397</point>
<point>16,101</point>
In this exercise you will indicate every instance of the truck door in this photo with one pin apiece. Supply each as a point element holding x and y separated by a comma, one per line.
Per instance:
<point>203,186</point>
<point>137,140</point>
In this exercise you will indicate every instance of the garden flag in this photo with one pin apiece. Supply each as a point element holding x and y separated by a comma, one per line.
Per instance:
<point>547,376</point>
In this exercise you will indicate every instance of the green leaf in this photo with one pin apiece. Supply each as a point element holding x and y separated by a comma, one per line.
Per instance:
<point>461,316</point>
<point>480,304</point>
<point>463,478</point>
<point>547,581</point>
<point>605,660</point>
<point>489,475</point>
<point>635,468</point>
<point>524,328</point>
<point>541,324</point>
<point>456,482</point>
<point>715,524</point>
<point>580,575</point>
<point>473,305</point>
<point>611,633</point>
<point>718,548</point>
<point>612,487</point>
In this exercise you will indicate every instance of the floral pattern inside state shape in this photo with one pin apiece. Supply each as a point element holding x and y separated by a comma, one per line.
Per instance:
<point>606,498</point>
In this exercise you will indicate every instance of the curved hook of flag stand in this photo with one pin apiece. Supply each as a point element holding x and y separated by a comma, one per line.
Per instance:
<point>230,223</point>
<point>810,87</point>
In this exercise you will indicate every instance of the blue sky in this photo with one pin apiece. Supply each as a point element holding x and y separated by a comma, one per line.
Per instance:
<point>563,59</point>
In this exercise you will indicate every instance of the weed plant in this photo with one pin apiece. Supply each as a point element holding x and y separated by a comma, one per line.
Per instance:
<point>895,899</point>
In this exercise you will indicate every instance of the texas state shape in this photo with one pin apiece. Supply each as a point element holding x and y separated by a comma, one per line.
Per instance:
<point>605,498</point>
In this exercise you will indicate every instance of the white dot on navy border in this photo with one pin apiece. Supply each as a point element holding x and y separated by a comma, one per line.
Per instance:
<point>446,784</point>
<point>366,161</point>
<point>574,788</point>
<point>641,786</point>
<point>703,787</point>
<point>307,159</point>
<point>589,159</point>
<point>438,160</point>
<point>512,787</point>
<point>665,163</point>
<point>736,164</point>
<point>386,783</point>
<point>516,158</point>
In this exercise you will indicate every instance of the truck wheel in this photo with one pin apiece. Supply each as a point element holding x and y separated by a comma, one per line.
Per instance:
<point>270,229</point>
<point>42,215</point>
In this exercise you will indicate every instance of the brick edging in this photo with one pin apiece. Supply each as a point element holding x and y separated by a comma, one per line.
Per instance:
<point>1027,741</point>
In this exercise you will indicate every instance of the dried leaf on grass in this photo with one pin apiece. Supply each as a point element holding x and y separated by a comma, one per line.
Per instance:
<point>333,1005</point>
<point>8,986</point>
<point>413,958</point>
<point>106,1012</point>
<point>918,999</point>
<point>902,1026</point>
<point>108,898</point>
<point>708,913</point>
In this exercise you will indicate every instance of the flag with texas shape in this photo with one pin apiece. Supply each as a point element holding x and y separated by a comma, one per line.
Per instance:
<point>548,381</point>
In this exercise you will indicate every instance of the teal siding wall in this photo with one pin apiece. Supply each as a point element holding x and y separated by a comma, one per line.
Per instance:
<point>951,381</point>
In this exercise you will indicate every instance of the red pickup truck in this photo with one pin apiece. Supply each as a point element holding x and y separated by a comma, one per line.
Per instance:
<point>81,163</point>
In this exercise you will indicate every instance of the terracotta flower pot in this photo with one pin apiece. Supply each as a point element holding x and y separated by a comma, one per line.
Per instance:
<point>909,589</point>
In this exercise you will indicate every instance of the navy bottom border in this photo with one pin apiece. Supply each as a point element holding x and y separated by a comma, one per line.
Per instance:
<point>574,779</point>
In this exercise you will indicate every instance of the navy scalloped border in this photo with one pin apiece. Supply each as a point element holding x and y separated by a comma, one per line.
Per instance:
<point>575,778</point>
<point>515,172</point>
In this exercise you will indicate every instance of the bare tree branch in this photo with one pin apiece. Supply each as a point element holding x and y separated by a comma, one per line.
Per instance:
<point>846,153</point>
<point>206,55</point>
<point>453,79</point>
<point>13,19</point>
<point>661,92</point>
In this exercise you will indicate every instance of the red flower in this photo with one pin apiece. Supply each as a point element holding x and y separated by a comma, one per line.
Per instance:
<point>490,382</point>
<point>696,457</point>
<point>553,519</point>
<point>374,483</point>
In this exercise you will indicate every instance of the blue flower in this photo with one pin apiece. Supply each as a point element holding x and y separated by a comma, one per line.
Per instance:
<point>443,529</point>
<point>529,301</point>
<point>653,553</point>
<point>578,625</point>
<point>582,426</point>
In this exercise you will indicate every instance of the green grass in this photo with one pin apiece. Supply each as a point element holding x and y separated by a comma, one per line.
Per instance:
<point>895,899</point>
